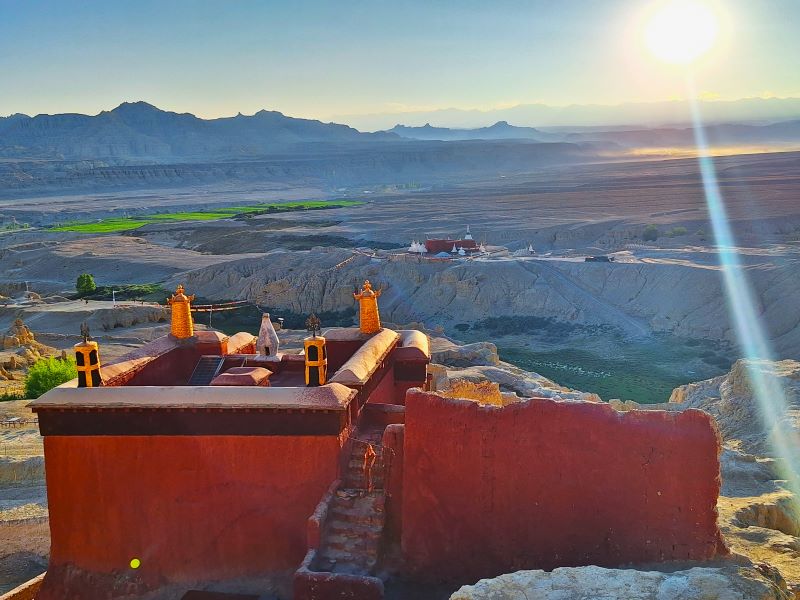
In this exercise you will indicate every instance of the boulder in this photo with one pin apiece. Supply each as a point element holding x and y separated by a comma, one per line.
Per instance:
<point>597,583</point>
<point>468,355</point>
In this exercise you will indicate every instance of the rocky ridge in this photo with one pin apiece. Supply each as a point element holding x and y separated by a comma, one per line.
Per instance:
<point>629,297</point>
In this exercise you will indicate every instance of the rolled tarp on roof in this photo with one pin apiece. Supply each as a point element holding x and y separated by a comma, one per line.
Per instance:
<point>360,367</point>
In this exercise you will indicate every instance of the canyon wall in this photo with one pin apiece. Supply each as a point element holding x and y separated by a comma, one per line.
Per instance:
<point>685,300</point>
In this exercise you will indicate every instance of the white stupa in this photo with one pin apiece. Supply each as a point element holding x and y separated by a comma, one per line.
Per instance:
<point>468,236</point>
<point>530,249</point>
<point>462,252</point>
<point>417,248</point>
<point>454,250</point>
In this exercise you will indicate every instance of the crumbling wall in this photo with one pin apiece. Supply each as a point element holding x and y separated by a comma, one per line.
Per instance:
<point>540,484</point>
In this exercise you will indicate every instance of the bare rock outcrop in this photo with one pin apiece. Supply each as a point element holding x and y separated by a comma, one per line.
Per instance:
<point>758,511</point>
<point>737,410</point>
<point>480,353</point>
<point>17,335</point>
<point>585,583</point>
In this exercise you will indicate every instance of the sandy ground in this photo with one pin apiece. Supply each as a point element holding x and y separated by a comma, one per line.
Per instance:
<point>24,529</point>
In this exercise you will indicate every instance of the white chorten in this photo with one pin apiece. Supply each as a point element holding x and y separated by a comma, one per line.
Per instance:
<point>454,250</point>
<point>268,342</point>
<point>468,236</point>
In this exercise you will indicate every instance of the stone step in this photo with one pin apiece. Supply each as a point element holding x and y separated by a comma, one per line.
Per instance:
<point>343,567</point>
<point>343,557</point>
<point>358,518</point>
<point>362,484</point>
<point>368,435</point>
<point>358,463</point>
<point>357,546</point>
<point>375,473</point>
<point>345,527</point>
<point>353,497</point>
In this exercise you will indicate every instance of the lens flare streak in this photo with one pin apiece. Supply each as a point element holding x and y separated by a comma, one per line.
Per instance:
<point>753,341</point>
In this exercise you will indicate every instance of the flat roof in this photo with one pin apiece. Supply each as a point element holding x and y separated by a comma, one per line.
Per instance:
<point>329,397</point>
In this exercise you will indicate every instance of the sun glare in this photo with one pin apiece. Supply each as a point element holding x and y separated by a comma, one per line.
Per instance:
<point>680,31</point>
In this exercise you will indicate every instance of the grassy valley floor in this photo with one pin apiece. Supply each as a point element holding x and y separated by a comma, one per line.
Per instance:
<point>645,370</point>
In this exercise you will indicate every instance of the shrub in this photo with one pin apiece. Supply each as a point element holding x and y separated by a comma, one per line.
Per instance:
<point>650,233</point>
<point>677,231</point>
<point>85,284</point>
<point>47,373</point>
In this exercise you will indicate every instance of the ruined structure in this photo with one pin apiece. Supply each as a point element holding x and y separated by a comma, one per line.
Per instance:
<point>162,481</point>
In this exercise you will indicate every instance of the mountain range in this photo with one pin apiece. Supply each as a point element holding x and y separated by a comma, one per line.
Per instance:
<point>785,133</point>
<point>636,115</point>
<point>501,130</point>
<point>138,130</point>
<point>140,133</point>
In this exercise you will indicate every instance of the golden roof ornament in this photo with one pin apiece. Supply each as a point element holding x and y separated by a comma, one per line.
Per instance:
<point>369,318</point>
<point>182,325</point>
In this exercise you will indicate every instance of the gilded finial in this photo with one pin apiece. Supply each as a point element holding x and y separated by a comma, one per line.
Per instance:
<point>369,318</point>
<point>182,324</point>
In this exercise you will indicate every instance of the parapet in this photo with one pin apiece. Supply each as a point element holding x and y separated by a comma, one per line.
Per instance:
<point>540,484</point>
<point>189,410</point>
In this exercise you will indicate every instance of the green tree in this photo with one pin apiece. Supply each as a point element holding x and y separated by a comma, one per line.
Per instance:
<point>47,373</point>
<point>85,284</point>
<point>650,233</point>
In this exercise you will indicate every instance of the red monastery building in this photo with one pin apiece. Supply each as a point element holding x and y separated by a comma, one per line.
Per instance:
<point>434,246</point>
<point>203,461</point>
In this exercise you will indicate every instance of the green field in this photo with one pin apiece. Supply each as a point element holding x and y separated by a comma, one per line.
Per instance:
<point>117,225</point>
<point>643,371</point>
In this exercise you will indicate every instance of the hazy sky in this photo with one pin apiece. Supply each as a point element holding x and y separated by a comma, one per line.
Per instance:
<point>323,59</point>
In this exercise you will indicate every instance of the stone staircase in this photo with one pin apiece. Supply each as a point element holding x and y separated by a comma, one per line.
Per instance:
<point>352,536</point>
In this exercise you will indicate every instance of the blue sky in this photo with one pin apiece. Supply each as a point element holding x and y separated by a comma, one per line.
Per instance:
<point>326,59</point>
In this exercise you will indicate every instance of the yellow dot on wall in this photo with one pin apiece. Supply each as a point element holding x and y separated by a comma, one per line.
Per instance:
<point>135,563</point>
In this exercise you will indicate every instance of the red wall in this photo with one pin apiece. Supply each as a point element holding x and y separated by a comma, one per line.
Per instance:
<point>393,441</point>
<point>172,368</point>
<point>446,245</point>
<point>190,508</point>
<point>542,484</point>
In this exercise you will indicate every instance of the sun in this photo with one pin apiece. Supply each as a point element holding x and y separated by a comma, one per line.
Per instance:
<point>680,31</point>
